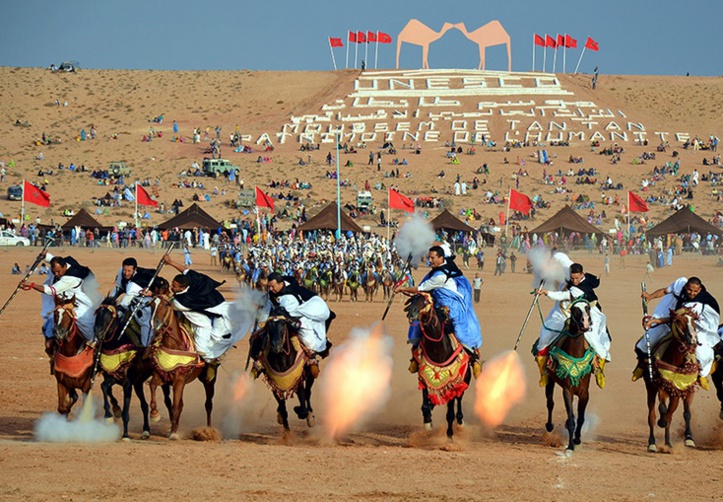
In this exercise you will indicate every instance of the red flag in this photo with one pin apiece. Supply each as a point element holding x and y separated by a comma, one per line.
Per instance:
<point>539,40</point>
<point>371,36</point>
<point>352,36</point>
<point>520,202</point>
<point>636,204</point>
<point>335,42</point>
<point>143,198</point>
<point>360,38</point>
<point>560,40</point>
<point>591,44</point>
<point>34,195</point>
<point>263,200</point>
<point>384,38</point>
<point>399,201</point>
<point>570,42</point>
<point>550,42</point>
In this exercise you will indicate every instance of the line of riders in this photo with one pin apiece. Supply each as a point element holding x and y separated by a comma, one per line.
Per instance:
<point>215,327</point>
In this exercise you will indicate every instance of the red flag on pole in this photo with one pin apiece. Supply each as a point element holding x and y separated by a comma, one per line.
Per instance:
<point>384,38</point>
<point>352,36</point>
<point>539,40</point>
<point>371,36</point>
<point>263,200</point>
<point>550,42</point>
<point>34,195</point>
<point>570,42</point>
<point>360,38</point>
<point>336,42</point>
<point>636,204</point>
<point>591,44</point>
<point>399,201</point>
<point>143,198</point>
<point>560,40</point>
<point>520,202</point>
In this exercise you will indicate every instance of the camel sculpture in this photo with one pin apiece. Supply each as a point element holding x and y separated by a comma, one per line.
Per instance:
<point>417,33</point>
<point>489,35</point>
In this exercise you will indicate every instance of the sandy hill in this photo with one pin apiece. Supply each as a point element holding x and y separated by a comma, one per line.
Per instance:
<point>121,103</point>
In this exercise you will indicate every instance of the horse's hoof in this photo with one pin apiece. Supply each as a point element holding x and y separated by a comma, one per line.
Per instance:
<point>109,420</point>
<point>460,423</point>
<point>662,424</point>
<point>117,413</point>
<point>155,418</point>
<point>279,419</point>
<point>301,413</point>
<point>690,443</point>
<point>577,442</point>
<point>146,435</point>
<point>311,420</point>
<point>652,448</point>
<point>569,453</point>
<point>126,439</point>
<point>174,436</point>
<point>428,426</point>
<point>549,427</point>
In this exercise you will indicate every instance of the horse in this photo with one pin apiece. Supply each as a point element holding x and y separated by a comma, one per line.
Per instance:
<point>175,362</point>
<point>337,284</point>
<point>72,358</point>
<point>311,280</point>
<point>717,376</point>
<point>675,376</point>
<point>387,283</point>
<point>325,279</point>
<point>444,366</point>
<point>353,282</point>
<point>122,362</point>
<point>369,282</point>
<point>570,365</point>
<point>285,362</point>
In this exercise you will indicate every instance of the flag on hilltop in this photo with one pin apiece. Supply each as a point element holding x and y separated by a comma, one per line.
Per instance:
<point>570,42</point>
<point>399,201</point>
<point>371,37</point>
<point>539,40</point>
<point>550,42</point>
<point>384,38</point>
<point>34,195</point>
<point>360,37</point>
<point>636,204</point>
<point>335,42</point>
<point>592,44</point>
<point>560,40</point>
<point>263,200</point>
<point>520,202</point>
<point>352,36</point>
<point>143,197</point>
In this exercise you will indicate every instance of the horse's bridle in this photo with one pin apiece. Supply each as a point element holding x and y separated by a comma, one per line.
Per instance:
<point>114,313</point>
<point>72,330</point>
<point>580,331</point>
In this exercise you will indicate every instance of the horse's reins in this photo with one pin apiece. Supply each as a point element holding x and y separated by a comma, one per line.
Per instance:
<point>286,348</point>
<point>426,310</point>
<point>114,313</point>
<point>73,328</point>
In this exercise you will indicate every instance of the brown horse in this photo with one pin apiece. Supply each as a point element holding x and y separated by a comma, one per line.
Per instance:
<point>285,365</point>
<point>73,358</point>
<point>675,375</point>
<point>176,363</point>
<point>717,375</point>
<point>325,282</point>
<point>570,365</point>
<point>337,284</point>
<point>353,282</point>
<point>122,363</point>
<point>387,282</point>
<point>444,369</point>
<point>369,283</point>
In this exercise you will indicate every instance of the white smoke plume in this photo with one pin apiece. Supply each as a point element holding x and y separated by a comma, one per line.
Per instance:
<point>248,307</point>
<point>415,238</point>
<point>54,428</point>
<point>552,268</point>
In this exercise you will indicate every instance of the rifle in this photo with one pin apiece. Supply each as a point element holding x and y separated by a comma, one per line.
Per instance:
<point>394,292</point>
<point>647,334</point>
<point>40,257</point>
<point>529,313</point>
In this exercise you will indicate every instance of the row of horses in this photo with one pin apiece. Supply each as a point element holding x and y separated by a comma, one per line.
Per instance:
<point>171,362</point>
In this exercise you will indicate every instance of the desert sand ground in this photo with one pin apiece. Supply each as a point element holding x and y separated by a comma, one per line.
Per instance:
<point>388,458</point>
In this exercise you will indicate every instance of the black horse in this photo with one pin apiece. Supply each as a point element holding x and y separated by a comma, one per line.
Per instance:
<point>444,366</point>
<point>717,376</point>
<point>285,364</point>
<point>122,363</point>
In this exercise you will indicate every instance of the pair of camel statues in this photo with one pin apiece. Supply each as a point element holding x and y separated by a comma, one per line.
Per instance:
<point>489,35</point>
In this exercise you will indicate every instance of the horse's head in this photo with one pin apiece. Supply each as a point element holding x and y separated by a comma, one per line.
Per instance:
<point>419,307</point>
<point>162,308</point>
<point>278,325</point>
<point>64,319</point>
<point>580,320</point>
<point>106,317</point>
<point>682,324</point>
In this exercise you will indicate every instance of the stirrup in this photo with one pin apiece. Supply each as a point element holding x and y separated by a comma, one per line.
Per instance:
<point>638,372</point>
<point>703,381</point>
<point>413,366</point>
<point>476,369</point>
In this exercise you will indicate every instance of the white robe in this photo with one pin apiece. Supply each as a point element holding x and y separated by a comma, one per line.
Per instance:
<point>596,336</point>
<point>144,313</point>
<point>209,334</point>
<point>312,314</point>
<point>706,326</point>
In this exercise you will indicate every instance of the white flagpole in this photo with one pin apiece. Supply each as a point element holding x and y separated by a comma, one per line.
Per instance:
<point>366,50</point>
<point>544,57</point>
<point>338,188</point>
<point>22,206</point>
<point>507,220</point>
<point>578,61</point>
<point>376,51</point>
<point>533,52</point>
<point>347,48</point>
<point>389,211</point>
<point>135,215</point>
<point>356,50</point>
<point>333,60</point>
<point>564,53</point>
<point>554,59</point>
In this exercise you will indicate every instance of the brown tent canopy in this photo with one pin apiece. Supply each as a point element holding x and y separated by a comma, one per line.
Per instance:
<point>683,222</point>
<point>83,219</point>
<point>193,217</point>
<point>326,219</point>
<point>447,221</point>
<point>566,221</point>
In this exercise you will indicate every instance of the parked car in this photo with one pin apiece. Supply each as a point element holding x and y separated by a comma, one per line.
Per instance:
<point>214,167</point>
<point>8,238</point>
<point>118,169</point>
<point>15,192</point>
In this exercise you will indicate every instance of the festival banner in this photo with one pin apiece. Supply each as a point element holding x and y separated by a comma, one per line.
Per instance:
<point>520,202</point>
<point>143,197</point>
<point>636,204</point>
<point>34,195</point>
<point>399,201</point>
<point>263,200</point>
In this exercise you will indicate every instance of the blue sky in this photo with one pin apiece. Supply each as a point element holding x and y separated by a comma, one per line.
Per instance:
<point>636,37</point>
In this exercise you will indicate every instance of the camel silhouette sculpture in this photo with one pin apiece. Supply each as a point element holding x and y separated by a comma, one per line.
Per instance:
<point>417,33</point>
<point>489,35</point>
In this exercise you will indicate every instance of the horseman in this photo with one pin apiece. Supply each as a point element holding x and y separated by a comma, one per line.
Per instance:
<point>689,293</point>
<point>197,298</point>
<point>313,313</point>
<point>449,288</point>
<point>69,279</point>
<point>580,285</point>
<point>130,283</point>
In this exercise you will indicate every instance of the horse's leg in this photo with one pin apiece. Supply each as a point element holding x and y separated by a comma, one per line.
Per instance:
<point>550,395</point>
<point>717,377</point>
<point>672,406</point>
<point>582,401</point>
<point>460,415</point>
<point>450,418</point>
<point>652,395</point>
<point>662,408</point>
<point>570,423</point>
<point>113,401</point>
<point>427,408</point>
<point>138,387</point>
<point>282,416</point>
<point>210,388</point>
<point>687,402</point>
<point>310,418</point>
<point>64,400</point>
<point>155,416</point>
<point>178,386</point>
<point>126,413</point>
<point>166,388</point>
<point>105,388</point>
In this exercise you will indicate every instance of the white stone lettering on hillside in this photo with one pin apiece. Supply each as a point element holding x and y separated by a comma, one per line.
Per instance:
<point>465,106</point>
